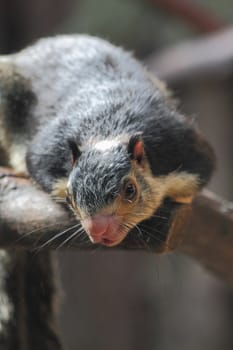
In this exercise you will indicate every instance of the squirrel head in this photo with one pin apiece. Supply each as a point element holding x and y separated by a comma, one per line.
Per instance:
<point>110,188</point>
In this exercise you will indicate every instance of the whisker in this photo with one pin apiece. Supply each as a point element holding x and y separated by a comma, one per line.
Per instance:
<point>57,236</point>
<point>141,230</point>
<point>145,244</point>
<point>141,238</point>
<point>69,238</point>
<point>155,229</point>
<point>34,231</point>
<point>130,226</point>
<point>83,237</point>
<point>87,241</point>
<point>152,216</point>
<point>156,238</point>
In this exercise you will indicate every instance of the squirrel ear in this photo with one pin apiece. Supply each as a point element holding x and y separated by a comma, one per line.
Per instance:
<point>75,151</point>
<point>136,149</point>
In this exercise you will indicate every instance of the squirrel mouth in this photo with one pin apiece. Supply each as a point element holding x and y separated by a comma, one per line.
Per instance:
<point>109,239</point>
<point>105,230</point>
<point>111,242</point>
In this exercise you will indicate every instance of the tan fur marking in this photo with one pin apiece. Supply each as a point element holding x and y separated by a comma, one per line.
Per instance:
<point>180,186</point>
<point>60,188</point>
<point>183,200</point>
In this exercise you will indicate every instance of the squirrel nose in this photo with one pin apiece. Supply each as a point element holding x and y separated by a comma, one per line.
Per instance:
<point>97,227</point>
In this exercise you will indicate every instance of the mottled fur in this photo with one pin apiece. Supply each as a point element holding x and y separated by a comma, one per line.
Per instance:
<point>85,90</point>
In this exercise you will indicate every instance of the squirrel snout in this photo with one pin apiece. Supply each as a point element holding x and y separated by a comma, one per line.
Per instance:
<point>101,228</point>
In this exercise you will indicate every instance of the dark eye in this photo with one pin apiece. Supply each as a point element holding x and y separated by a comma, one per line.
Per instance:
<point>75,152</point>
<point>130,191</point>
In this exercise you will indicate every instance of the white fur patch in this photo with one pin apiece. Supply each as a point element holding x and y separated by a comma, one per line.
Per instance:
<point>106,145</point>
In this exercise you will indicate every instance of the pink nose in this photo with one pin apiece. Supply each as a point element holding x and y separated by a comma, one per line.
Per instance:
<point>99,227</point>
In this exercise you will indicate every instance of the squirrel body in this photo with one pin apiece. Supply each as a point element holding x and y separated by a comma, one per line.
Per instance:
<point>88,122</point>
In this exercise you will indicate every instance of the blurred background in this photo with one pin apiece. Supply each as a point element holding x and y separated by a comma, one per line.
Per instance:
<point>132,301</point>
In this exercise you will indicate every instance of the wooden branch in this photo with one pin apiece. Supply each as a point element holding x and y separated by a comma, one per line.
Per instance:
<point>26,213</point>
<point>210,56</point>
<point>203,230</point>
<point>208,234</point>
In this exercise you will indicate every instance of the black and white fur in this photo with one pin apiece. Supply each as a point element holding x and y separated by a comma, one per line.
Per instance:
<point>84,90</point>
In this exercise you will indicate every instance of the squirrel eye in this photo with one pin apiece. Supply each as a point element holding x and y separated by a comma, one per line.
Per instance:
<point>75,152</point>
<point>130,191</point>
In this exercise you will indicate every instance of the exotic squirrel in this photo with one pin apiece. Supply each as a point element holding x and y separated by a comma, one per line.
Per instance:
<point>89,123</point>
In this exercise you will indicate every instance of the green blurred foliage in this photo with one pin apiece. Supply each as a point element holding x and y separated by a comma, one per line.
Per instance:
<point>132,23</point>
<point>222,8</point>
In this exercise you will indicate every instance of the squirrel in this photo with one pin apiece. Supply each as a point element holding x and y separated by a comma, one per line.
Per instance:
<point>90,124</point>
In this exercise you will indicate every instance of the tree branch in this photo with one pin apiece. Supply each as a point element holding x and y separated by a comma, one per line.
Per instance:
<point>203,230</point>
<point>208,234</point>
